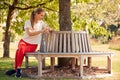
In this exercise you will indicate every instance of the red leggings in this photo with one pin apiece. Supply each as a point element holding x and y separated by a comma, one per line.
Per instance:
<point>23,47</point>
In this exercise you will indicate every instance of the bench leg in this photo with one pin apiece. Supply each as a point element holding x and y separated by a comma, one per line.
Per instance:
<point>109,64</point>
<point>76,64</point>
<point>89,61</point>
<point>43,63</point>
<point>73,63</point>
<point>52,63</point>
<point>26,61</point>
<point>39,66</point>
<point>81,65</point>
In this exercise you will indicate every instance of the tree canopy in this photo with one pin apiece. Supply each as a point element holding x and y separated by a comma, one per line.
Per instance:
<point>83,11</point>
<point>94,15</point>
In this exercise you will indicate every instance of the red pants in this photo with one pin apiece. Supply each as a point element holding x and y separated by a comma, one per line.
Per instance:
<point>23,47</point>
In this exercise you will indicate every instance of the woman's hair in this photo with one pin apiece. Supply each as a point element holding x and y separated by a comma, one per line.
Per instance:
<point>32,18</point>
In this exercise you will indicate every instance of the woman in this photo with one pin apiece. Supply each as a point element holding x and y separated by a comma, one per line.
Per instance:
<point>32,37</point>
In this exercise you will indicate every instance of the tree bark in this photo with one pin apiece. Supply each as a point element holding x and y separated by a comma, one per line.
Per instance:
<point>7,30</point>
<point>64,15</point>
<point>65,25</point>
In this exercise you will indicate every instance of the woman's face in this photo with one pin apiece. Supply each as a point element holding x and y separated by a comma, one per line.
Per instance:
<point>40,16</point>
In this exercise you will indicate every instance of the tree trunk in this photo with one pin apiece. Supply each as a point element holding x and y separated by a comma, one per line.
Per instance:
<point>64,15</point>
<point>6,44</point>
<point>65,25</point>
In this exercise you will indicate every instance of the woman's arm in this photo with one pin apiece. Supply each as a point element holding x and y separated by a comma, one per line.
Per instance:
<point>47,30</point>
<point>33,33</point>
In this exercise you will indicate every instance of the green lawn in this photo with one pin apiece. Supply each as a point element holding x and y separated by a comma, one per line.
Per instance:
<point>7,63</point>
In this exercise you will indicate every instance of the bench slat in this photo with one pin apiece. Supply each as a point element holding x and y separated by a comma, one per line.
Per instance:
<point>88,42</point>
<point>60,44</point>
<point>73,42</point>
<point>83,43</point>
<point>80,43</point>
<point>56,43</point>
<point>64,44</point>
<point>53,42</point>
<point>76,43</point>
<point>69,48</point>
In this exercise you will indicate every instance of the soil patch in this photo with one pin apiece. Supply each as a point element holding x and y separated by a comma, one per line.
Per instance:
<point>64,72</point>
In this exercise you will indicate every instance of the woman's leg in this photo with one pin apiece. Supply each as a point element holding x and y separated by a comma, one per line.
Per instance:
<point>23,47</point>
<point>19,54</point>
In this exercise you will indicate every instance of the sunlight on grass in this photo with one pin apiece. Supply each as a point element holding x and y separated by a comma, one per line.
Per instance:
<point>99,61</point>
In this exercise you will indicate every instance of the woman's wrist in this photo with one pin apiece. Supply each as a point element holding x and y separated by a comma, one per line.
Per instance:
<point>41,31</point>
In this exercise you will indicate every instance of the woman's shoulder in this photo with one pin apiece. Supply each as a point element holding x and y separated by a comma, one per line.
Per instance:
<point>27,21</point>
<point>41,21</point>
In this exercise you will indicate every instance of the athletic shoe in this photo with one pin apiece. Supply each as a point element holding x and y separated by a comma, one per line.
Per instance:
<point>18,73</point>
<point>10,72</point>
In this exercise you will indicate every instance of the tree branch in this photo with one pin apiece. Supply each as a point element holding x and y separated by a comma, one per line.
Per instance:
<point>24,4</point>
<point>50,9</point>
<point>29,7</point>
<point>5,3</point>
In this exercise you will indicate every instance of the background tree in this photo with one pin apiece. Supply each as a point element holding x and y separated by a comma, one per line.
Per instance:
<point>96,16</point>
<point>11,9</point>
<point>12,6</point>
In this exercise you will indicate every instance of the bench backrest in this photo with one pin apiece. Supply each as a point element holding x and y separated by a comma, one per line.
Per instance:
<point>67,42</point>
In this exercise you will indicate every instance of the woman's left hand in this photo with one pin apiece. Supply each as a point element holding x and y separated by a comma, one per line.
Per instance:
<point>46,31</point>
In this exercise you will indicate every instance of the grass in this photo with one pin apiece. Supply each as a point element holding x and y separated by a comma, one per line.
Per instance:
<point>7,63</point>
<point>115,43</point>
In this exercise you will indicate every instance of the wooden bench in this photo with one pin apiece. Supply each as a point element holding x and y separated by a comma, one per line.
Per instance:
<point>69,44</point>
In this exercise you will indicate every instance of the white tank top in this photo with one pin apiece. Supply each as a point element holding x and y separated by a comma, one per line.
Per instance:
<point>37,27</point>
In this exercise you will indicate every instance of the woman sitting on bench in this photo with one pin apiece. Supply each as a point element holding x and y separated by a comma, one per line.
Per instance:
<point>32,37</point>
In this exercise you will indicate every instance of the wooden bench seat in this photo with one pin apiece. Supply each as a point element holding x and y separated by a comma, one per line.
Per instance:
<point>68,44</point>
